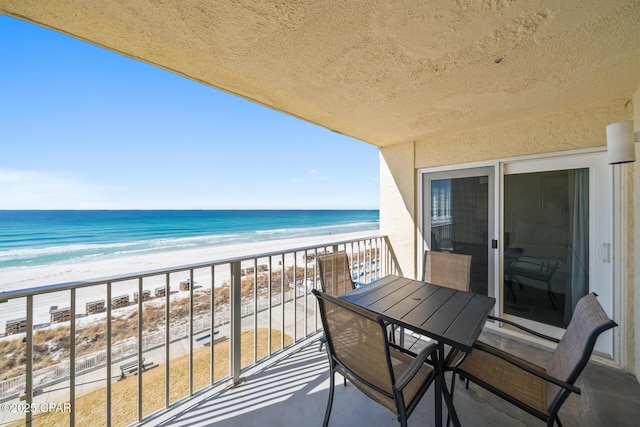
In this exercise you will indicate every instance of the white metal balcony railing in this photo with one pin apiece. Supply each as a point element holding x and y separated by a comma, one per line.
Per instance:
<point>225,298</point>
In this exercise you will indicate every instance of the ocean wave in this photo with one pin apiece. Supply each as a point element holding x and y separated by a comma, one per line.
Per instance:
<point>105,248</point>
<point>79,252</point>
<point>23,253</point>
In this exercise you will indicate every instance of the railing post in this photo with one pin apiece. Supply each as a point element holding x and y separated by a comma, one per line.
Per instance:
<point>235,321</point>
<point>29,361</point>
<point>212,319</point>
<point>256,309</point>
<point>269,303</point>
<point>167,339</point>
<point>72,358</point>
<point>282,277</point>
<point>140,330</point>
<point>109,355</point>
<point>190,331</point>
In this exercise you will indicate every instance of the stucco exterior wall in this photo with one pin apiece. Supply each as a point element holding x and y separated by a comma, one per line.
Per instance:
<point>397,203</point>
<point>569,130</point>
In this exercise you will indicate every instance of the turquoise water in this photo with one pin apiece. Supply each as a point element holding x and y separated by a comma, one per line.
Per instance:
<point>31,238</point>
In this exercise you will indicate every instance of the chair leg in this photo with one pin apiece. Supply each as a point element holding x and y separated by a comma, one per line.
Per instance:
<point>402,416</point>
<point>552,421</point>
<point>330,402</point>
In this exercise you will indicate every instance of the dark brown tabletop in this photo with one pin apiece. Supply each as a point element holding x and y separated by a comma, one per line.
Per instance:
<point>449,316</point>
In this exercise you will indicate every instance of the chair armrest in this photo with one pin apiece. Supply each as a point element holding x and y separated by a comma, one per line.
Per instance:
<point>401,349</point>
<point>514,361</point>
<point>415,365</point>
<point>527,330</point>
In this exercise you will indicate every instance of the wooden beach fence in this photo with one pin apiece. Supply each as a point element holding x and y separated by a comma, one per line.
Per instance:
<point>94,307</point>
<point>15,326</point>
<point>146,295</point>
<point>60,315</point>
<point>120,301</point>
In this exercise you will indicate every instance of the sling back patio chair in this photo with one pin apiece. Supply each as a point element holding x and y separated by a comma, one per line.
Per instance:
<point>539,391</point>
<point>447,269</point>
<point>360,351</point>
<point>335,276</point>
<point>451,271</point>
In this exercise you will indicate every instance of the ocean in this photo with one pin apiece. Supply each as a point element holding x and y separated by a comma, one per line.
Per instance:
<point>39,237</point>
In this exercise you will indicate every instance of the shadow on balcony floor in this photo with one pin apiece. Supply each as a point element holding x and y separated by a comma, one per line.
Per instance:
<point>294,391</point>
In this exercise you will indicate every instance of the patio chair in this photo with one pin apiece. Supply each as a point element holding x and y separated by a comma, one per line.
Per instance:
<point>539,391</point>
<point>359,350</point>
<point>447,269</point>
<point>451,271</point>
<point>335,276</point>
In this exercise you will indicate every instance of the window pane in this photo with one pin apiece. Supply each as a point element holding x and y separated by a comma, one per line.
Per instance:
<point>460,223</point>
<point>546,257</point>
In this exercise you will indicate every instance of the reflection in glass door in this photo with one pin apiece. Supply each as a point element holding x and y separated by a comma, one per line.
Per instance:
<point>460,220</point>
<point>546,235</point>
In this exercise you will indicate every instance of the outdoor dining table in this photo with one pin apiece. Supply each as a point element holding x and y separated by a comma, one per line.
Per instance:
<point>449,316</point>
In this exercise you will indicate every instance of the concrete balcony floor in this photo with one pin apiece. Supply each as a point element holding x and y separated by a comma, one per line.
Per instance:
<point>293,391</point>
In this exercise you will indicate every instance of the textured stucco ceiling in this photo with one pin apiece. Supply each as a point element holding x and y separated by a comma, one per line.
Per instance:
<point>385,72</point>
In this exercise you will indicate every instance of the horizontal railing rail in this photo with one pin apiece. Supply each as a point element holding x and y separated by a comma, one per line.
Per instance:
<point>256,305</point>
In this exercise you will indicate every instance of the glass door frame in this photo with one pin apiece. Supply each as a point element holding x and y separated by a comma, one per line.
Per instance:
<point>601,246</point>
<point>424,224</point>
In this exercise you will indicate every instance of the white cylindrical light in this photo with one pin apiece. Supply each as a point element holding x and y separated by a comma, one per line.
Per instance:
<point>620,143</point>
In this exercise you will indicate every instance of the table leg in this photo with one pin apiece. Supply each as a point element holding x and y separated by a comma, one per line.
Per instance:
<point>453,415</point>
<point>439,384</point>
<point>442,391</point>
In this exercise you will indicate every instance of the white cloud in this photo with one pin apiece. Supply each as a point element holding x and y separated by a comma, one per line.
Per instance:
<point>51,190</point>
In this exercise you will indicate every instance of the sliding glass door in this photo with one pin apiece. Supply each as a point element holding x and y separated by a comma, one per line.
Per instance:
<point>546,251</point>
<point>556,223</point>
<point>553,217</point>
<point>460,219</point>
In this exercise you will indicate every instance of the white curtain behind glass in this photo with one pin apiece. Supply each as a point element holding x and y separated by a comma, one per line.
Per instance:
<point>579,239</point>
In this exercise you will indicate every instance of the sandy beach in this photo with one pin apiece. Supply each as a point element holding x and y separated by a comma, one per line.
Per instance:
<point>21,278</point>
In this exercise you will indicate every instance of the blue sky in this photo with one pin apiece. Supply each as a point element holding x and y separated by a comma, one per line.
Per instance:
<point>82,127</point>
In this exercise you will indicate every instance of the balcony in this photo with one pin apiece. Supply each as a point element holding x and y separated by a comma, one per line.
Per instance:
<point>147,341</point>
<point>160,348</point>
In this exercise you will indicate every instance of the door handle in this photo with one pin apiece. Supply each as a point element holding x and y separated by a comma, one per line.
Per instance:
<point>604,252</point>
